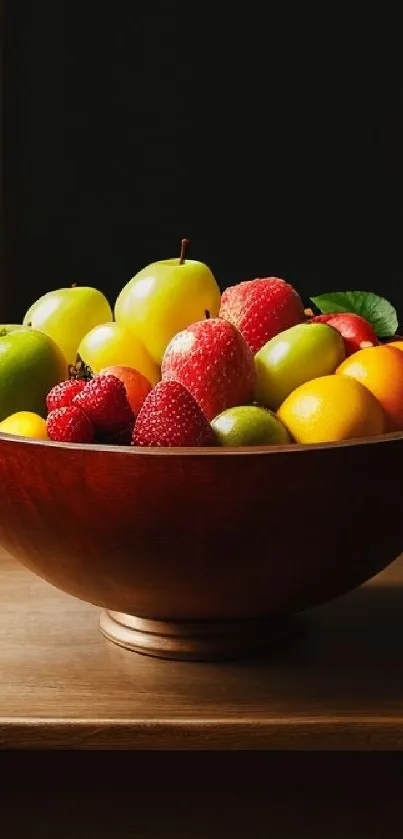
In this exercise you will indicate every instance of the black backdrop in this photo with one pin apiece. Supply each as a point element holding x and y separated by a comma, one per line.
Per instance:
<point>275,147</point>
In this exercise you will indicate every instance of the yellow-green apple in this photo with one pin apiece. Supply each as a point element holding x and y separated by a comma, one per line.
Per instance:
<point>8,327</point>
<point>213,361</point>
<point>112,343</point>
<point>297,355</point>
<point>249,425</point>
<point>31,363</point>
<point>166,297</point>
<point>67,314</point>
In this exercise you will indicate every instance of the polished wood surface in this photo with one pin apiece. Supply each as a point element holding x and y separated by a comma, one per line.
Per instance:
<point>338,686</point>
<point>213,535</point>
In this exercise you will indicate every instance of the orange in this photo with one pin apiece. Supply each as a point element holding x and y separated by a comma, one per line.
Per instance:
<point>330,409</point>
<point>397,344</point>
<point>380,369</point>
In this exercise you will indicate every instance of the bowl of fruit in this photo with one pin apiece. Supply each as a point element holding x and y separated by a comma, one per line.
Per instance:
<point>201,466</point>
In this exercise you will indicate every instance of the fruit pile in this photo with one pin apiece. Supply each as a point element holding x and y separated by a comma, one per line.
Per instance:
<point>179,364</point>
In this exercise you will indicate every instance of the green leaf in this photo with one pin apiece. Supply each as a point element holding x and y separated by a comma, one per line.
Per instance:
<point>376,310</point>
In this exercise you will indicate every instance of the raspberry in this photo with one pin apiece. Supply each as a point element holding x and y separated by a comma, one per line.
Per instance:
<point>105,402</point>
<point>69,425</point>
<point>63,394</point>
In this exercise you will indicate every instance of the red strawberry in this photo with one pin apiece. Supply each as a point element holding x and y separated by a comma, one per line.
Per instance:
<point>170,416</point>
<point>69,425</point>
<point>63,394</point>
<point>104,400</point>
<point>213,361</point>
<point>261,308</point>
<point>356,332</point>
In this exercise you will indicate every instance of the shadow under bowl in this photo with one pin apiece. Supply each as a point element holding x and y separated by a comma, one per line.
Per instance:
<point>202,553</point>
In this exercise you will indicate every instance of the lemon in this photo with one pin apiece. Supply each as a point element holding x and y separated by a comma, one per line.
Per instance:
<point>330,409</point>
<point>25,424</point>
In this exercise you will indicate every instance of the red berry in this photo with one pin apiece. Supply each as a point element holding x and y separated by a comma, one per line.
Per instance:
<point>213,361</point>
<point>105,402</point>
<point>69,425</point>
<point>262,308</point>
<point>63,394</point>
<point>356,332</point>
<point>170,416</point>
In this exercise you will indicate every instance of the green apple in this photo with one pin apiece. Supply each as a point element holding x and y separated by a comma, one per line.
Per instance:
<point>249,425</point>
<point>166,297</point>
<point>67,314</point>
<point>8,327</point>
<point>31,363</point>
<point>295,356</point>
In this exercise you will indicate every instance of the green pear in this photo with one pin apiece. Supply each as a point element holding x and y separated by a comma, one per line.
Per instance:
<point>67,314</point>
<point>249,425</point>
<point>295,356</point>
<point>31,363</point>
<point>166,297</point>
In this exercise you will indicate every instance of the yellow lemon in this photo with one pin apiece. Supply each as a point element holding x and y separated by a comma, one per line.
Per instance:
<point>25,424</point>
<point>330,409</point>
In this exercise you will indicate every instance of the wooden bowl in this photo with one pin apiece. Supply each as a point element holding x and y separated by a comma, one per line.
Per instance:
<point>202,553</point>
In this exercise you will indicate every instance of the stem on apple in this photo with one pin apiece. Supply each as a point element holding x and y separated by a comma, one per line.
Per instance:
<point>184,246</point>
<point>207,314</point>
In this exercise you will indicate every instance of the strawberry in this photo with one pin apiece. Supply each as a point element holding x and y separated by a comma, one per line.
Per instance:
<point>356,332</point>
<point>104,400</point>
<point>213,361</point>
<point>69,425</point>
<point>261,308</point>
<point>170,416</point>
<point>63,394</point>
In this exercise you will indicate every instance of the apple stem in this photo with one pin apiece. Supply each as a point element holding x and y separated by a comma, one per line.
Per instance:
<point>184,246</point>
<point>207,314</point>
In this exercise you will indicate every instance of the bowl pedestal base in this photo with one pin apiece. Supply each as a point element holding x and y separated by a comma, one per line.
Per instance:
<point>195,640</point>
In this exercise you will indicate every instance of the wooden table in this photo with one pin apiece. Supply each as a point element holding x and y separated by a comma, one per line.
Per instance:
<point>337,688</point>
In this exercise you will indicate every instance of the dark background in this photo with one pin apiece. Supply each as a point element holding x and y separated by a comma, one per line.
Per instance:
<point>276,146</point>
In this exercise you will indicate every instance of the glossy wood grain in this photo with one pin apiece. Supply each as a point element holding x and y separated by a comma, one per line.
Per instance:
<point>213,535</point>
<point>63,686</point>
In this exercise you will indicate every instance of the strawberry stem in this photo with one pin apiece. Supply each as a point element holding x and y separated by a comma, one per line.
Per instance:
<point>184,246</point>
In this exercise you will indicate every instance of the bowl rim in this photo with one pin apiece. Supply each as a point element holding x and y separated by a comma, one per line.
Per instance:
<point>203,451</point>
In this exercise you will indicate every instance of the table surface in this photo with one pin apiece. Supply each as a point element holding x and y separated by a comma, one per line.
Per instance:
<point>339,685</point>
